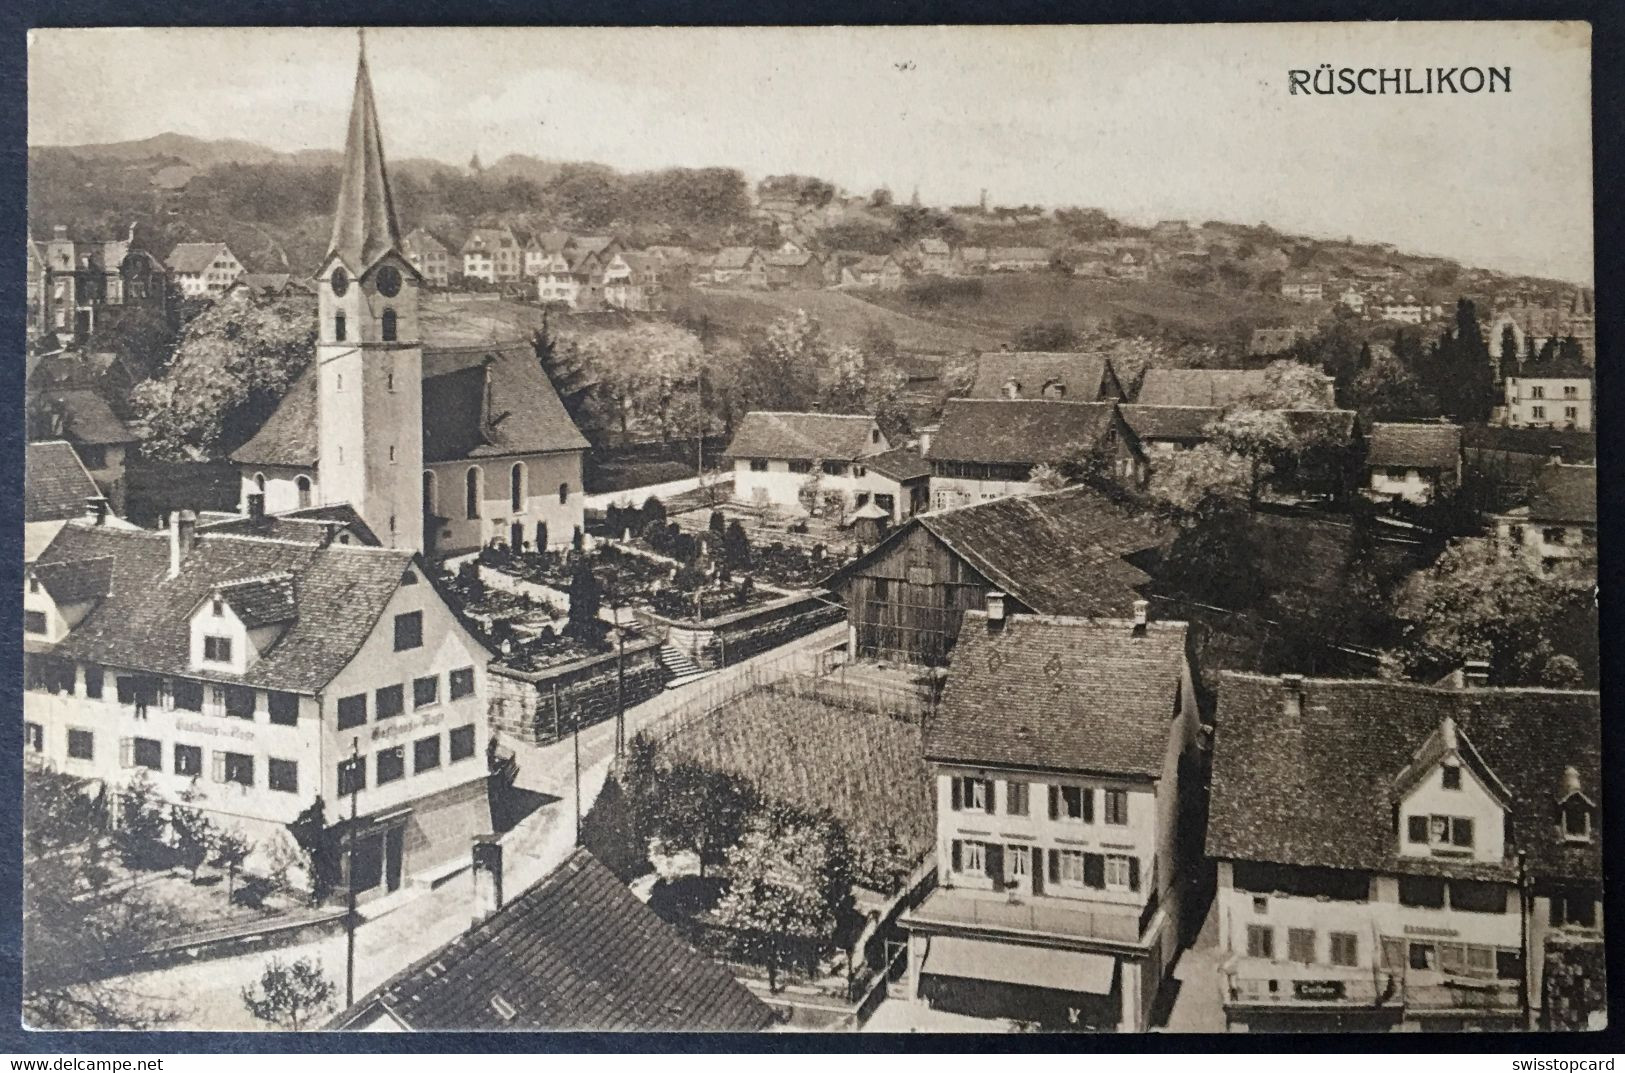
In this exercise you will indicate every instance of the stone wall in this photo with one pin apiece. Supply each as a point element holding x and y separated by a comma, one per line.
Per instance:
<point>540,707</point>
<point>727,639</point>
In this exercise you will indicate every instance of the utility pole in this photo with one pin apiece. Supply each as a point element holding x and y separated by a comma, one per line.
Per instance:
<point>620,668</point>
<point>575,722</point>
<point>354,766</point>
<point>1526,999</point>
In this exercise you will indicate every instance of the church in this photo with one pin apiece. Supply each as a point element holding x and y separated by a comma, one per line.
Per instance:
<point>439,450</point>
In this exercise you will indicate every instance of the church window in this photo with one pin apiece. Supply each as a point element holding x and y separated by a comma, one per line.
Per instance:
<point>341,283</point>
<point>259,483</point>
<point>338,327</point>
<point>302,483</point>
<point>516,486</point>
<point>388,320</point>
<point>564,492</point>
<point>389,282</point>
<point>471,492</point>
<point>428,491</point>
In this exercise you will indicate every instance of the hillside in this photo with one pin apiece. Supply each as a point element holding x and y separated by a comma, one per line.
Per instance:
<point>846,318</point>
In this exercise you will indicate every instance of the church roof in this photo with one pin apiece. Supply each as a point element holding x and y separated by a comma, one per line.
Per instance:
<point>364,227</point>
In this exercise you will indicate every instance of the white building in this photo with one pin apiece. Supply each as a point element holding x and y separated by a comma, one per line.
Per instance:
<point>777,455</point>
<point>1057,754</point>
<point>1412,462</point>
<point>203,269</point>
<point>243,670</point>
<point>1553,394</point>
<point>1396,855</point>
<point>492,254</point>
<point>1557,527</point>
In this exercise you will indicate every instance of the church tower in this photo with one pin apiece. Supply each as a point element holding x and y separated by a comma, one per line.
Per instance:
<point>368,353</point>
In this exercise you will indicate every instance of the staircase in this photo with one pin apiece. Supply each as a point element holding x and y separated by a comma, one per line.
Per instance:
<point>680,666</point>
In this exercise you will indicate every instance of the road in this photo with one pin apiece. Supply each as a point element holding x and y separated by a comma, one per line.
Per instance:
<point>208,993</point>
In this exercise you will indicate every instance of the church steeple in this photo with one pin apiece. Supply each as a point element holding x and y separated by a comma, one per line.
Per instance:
<point>364,227</point>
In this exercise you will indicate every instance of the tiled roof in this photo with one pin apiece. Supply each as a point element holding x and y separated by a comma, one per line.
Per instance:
<point>1018,430</point>
<point>1183,423</point>
<point>1425,446</point>
<point>780,259</point>
<point>193,256</point>
<point>1060,694</point>
<point>1552,369</point>
<point>1318,790</point>
<point>86,417</point>
<point>900,464</point>
<point>76,582</point>
<point>594,243</point>
<point>143,624</point>
<point>422,242</point>
<point>772,434</point>
<point>577,951</point>
<point>263,601</point>
<point>1564,494</point>
<point>1019,253</point>
<point>55,484</point>
<point>1200,387</point>
<point>733,257</point>
<point>487,239</point>
<point>310,525</point>
<point>1084,377</point>
<point>526,415</point>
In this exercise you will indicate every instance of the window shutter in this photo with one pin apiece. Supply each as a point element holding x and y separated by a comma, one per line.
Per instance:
<point>1094,871</point>
<point>1134,873</point>
<point>1054,811</point>
<point>959,803</point>
<point>989,784</point>
<point>126,752</point>
<point>1088,794</point>
<point>219,761</point>
<point>1054,855</point>
<point>957,854</point>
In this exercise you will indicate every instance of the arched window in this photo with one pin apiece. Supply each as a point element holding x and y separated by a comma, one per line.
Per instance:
<point>428,492</point>
<point>338,327</point>
<point>302,483</point>
<point>564,492</point>
<point>388,324</point>
<point>259,483</point>
<point>471,492</point>
<point>516,486</point>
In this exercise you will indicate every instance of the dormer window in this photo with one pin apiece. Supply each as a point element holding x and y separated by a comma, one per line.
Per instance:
<point>1451,776</point>
<point>217,649</point>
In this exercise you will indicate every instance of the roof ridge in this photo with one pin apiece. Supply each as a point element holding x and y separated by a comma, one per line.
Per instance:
<point>1453,691</point>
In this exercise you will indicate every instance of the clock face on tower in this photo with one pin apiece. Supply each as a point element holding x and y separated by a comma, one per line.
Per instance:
<point>389,281</point>
<point>340,282</point>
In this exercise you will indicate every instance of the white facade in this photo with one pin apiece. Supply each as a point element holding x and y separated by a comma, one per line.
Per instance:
<point>1548,402</point>
<point>477,501</point>
<point>1546,546</point>
<point>1409,483</point>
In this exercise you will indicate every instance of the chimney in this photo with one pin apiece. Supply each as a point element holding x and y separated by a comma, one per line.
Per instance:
<point>1142,614</point>
<point>1475,674</point>
<point>96,510</point>
<point>995,609</point>
<point>487,876</point>
<point>1554,454</point>
<point>182,539</point>
<point>256,507</point>
<point>1292,696</point>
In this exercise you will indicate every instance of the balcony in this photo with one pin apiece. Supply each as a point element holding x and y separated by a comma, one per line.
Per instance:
<point>1050,917</point>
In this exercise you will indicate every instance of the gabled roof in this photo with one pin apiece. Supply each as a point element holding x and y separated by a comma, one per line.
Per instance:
<point>144,623</point>
<point>422,241</point>
<point>193,257</point>
<point>1085,377</point>
<point>577,951</point>
<point>1553,369</point>
<point>76,582</point>
<point>733,257</point>
<point>550,242</point>
<point>1427,446</point>
<point>1564,493</point>
<point>1060,694</point>
<point>1200,387</point>
<point>1317,789</point>
<point>263,601</point>
<point>1447,740</point>
<point>900,464</point>
<point>488,238</point>
<point>771,434</point>
<point>307,525</point>
<point>364,225</point>
<point>797,259</point>
<point>1018,430</point>
<point>1182,423</point>
<point>595,243</point>
<point>55,483</point>
<point>86,417</point>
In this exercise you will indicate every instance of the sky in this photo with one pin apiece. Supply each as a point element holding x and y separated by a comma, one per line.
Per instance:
<point>1147,122</point>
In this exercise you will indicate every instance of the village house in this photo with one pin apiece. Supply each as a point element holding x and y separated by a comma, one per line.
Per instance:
<point>244,671</point>
<point>56,485</point>
<point>739,266</point>
<point>1019,258</point>
<point>203,269</point>
<point>1056,553</point>
<point>987,448</point>
<point>1556,528</point>
<point>1078,377</point>
<point>541,246</point>
<point>82,418</point>
<point>1130,264</point>
<point>1300,287</point>
<point>778,455</point>
<point>575,952</point>
<point>575,279</point>
<point>1413,462</point>
<point>879,270</point>
<point>936,257</point>
<point>1352,299</point>
<point>800,270</point>
<point>492,254</point>
<point>1533,326</point>
<point>437,449</point>
<point>251,285</point>
<point>429,256</point>
<point>971,260</point>
<point>1214,387</point>
<point>1549,394</point>
<point>1453,833</point>
<point>1062,755</point>
<point>632,282</point>
<point>73,285</point>
<point>1406,310</point>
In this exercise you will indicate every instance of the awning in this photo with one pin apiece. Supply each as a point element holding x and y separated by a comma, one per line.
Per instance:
<point>1030,966</point>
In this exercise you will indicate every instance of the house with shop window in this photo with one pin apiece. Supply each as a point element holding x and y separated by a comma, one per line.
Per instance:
<point>243,670</point>
<point>1079,377</point>
<point>1393,855</point>
<point>1550,394</point>
<point>437,449</point>
<point>1072,552</point>
<point>1412,462</point>
<point>988,448</point>
<point>1556,527</point>
<point>203,269</point>
<point>1063,757</point>
<point>776,455</point>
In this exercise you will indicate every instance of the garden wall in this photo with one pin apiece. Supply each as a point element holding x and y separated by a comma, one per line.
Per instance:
<point>542,706</point>
<point>725,640</point>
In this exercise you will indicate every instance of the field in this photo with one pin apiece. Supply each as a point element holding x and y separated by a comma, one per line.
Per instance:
<point>866,768</point>
<point>846,318</point>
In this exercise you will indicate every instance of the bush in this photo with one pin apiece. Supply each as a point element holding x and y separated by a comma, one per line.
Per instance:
<point>717,523</point>
<point>609,830</point>
<point>654,535</point>
<point>653,511</point>
<point>736,546</point>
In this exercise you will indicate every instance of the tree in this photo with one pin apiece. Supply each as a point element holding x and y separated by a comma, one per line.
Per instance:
<point>789,883</point>
<point>1046,477</point>
<point>231,849</point>
<point>1290,385</point>
<point>1054,333</point>
<point>1261,437</point>
<point>881,198</point>
<point>290,995</point>
<point>1474,603</point>
<point>586,599</point>
<point>1191,481</point>
<point>1509,350</point>
<point>1386,390</point>
<point>140,832</point>
<point>194,837</point>
<point>703,810</point>
<point>780,368</point>
<point>1215,557</point>
<point>1570,352</point>
<point>736,546</point>
<point>310,832</point>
